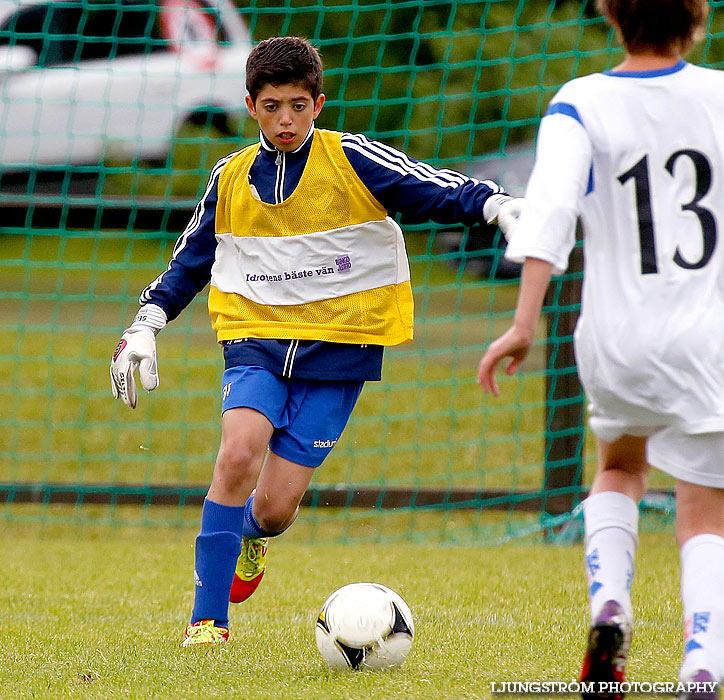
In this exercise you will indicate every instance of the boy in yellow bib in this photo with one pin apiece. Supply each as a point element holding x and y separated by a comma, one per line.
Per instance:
<point>309,281</point>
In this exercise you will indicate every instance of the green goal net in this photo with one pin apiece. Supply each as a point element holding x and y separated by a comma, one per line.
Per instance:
<point>112,114</point>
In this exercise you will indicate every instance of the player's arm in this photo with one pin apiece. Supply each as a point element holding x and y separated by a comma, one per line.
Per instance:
<point>163,300</point>
<point>562,176</point>
<point>421,192</point>
<point>516,342</point>
<point>545,234</point>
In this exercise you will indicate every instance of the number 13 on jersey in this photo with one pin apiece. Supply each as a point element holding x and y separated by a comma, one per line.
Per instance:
<point>640,174</point>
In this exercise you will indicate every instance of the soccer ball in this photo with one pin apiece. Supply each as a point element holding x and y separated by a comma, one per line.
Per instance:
<point>364,625</point>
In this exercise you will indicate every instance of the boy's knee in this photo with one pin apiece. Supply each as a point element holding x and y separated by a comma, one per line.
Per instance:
<point>275,516</point>
<point>237,465</point>
<point>239,455</point>
<point>626,475</point>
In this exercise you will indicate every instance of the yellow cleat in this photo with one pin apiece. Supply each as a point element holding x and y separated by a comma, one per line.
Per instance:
<point>205,632</point>
<point>249,568</point>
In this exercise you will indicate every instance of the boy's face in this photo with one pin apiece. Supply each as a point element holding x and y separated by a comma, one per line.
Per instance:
<point>285,113</point>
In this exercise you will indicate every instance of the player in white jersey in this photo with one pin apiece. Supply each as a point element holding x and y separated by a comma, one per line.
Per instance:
<point>638,154</point>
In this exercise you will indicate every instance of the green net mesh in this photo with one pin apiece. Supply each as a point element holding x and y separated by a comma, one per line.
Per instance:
<point>112,114</point>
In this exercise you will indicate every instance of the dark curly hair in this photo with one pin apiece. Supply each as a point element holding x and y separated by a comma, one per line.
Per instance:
<point>281,60</point>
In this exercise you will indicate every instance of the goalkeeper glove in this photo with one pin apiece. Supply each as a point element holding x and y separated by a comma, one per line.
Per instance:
<point>137,350</point>
<point>505,211</point>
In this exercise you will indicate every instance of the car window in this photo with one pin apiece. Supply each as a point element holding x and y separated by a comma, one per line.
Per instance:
<point>79,30</point>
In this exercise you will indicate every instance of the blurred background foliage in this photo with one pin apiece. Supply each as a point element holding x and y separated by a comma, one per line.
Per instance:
<point>445,81</point>
<point>449,82</point>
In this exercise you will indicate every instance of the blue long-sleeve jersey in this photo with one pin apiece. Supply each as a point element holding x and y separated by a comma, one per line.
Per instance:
<point>400,184</point>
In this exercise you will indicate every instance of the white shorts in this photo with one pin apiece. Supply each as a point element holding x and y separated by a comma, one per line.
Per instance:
<point>694,458</point>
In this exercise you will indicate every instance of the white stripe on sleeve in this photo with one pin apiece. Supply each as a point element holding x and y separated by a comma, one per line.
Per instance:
<point>191,227</point>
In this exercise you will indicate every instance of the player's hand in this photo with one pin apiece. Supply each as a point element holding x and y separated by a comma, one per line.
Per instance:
<point>509,215</point>
<point>137,350</point>
<point>514,343</point>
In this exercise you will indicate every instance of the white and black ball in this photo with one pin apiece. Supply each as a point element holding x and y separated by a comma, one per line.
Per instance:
<point>364,626</point>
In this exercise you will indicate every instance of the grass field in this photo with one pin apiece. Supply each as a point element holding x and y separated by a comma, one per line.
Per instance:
<point>94,599</point>
<point>98,613</point>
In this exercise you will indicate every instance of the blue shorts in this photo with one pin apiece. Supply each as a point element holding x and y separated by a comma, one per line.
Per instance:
<point>308,416</point>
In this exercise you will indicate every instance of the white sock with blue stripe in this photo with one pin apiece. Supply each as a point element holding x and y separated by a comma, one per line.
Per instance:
<point>702,587</point>
<point>611,528</point>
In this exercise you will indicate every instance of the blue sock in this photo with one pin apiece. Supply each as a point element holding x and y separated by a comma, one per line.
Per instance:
<point>217,548</point>
<point>252,529</point>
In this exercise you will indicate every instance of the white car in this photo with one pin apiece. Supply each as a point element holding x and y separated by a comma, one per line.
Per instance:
<point>81,80</point>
